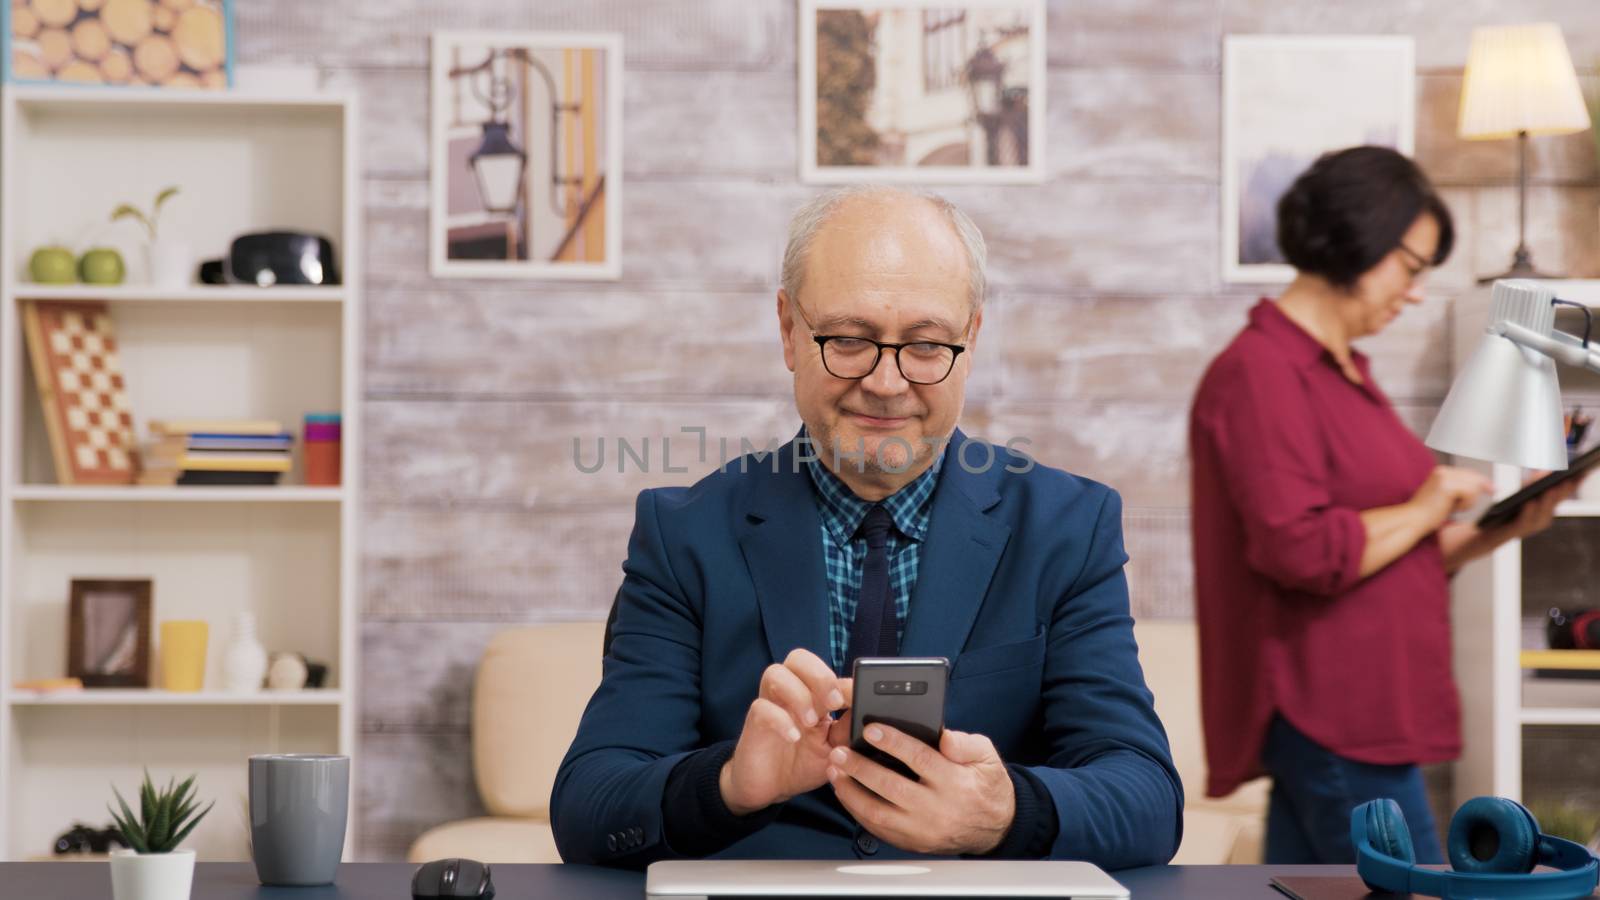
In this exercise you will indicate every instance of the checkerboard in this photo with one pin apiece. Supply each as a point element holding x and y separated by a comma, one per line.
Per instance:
<point>80,385</point>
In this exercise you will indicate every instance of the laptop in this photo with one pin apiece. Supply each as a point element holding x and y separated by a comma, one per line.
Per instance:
<point>707,879</point>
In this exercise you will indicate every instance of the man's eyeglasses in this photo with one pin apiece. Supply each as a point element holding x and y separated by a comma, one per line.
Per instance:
<point>854,358</point>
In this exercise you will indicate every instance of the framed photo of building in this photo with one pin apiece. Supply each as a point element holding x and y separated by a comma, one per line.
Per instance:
<point>526,155</point>
<point>108,643</point>
<point>921,91</point>
<point>138,43</point>
<point>1287,99</point>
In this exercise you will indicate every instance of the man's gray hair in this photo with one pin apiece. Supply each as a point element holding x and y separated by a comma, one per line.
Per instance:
<point>809,219</point>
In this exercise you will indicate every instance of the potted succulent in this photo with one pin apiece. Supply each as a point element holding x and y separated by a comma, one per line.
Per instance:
<point>155,869</point>
<point>169,259</point>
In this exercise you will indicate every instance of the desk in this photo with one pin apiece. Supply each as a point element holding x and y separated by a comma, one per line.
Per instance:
<point>392,881</point>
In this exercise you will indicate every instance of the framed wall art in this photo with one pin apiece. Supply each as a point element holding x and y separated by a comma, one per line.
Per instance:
<point>916,91</point>
<point>1287,99</point>
<point>149,43</point>
<point>527,155</point>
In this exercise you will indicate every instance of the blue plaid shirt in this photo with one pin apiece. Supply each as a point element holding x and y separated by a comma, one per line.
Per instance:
<point>845,553</point>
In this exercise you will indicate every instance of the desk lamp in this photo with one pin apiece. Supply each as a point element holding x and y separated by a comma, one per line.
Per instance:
<point>1505,405</point>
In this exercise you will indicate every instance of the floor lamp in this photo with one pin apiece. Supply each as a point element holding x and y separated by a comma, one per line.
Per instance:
<point>1520,83</point>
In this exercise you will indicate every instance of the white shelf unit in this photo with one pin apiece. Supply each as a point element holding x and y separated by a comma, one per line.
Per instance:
<point>288,553</point>
<point>1498,699</point>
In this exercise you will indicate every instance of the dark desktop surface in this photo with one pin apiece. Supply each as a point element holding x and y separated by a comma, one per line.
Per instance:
<point>392,881</point>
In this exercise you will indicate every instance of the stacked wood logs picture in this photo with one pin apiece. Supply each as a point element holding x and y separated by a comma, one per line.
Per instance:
<point>169,43</point>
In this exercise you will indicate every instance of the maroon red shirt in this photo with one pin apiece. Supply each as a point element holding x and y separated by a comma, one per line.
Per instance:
<point>1286,453</point>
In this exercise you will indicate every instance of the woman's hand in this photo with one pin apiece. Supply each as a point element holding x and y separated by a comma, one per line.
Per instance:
<point>1537,514</point>
<point>1463,542</point>
<point>1448,490</point>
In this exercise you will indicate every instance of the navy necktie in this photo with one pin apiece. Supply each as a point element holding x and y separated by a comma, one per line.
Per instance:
<point>873,633</point>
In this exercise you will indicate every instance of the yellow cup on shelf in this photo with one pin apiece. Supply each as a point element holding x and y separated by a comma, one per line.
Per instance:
<point>183,655</point>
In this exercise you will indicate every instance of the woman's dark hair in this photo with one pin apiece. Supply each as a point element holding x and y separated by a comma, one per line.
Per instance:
<point>1349,210</point>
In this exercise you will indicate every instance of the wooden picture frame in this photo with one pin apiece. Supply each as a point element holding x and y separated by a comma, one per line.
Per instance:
<point>108,632</point>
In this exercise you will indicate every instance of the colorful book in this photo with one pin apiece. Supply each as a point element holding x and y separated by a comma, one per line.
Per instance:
<point>228,478</point>
<point>216,426</point>
<point>234,462</point>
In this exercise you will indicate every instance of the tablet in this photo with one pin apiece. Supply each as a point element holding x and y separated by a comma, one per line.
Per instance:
<point>1507,509</point>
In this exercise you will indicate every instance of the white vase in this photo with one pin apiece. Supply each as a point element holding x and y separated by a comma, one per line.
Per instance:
<point>171,263</point>
<point>151,876</point>
<point>244,663</point>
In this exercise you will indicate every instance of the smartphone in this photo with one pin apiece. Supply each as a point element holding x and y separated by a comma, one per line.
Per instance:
<point>903,692</point>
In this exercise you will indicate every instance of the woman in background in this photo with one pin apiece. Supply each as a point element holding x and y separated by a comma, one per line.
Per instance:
<point>1323,540</point>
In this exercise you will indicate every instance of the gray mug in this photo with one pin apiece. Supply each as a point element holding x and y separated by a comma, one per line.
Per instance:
<point>299,803</point>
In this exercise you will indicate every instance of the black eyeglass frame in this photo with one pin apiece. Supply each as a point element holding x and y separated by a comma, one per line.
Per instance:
<point>1422,263</point>
<point>822,349</point>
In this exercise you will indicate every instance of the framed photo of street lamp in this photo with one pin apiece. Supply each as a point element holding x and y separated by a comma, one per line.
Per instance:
<point>526,175</point>
<point>1287,99</point>
<point>946,91</point>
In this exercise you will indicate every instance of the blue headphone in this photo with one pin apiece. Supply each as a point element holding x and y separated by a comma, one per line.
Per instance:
<point>1494,844</point>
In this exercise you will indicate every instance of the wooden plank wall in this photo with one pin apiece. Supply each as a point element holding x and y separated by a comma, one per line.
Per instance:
<point>1107,304</point>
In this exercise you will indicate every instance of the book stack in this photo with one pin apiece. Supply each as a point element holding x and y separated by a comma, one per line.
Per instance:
<point>216,452</point>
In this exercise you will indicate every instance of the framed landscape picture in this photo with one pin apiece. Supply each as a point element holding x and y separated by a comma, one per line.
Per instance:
<point>916,91</point>
<point>526,156</point>
<point>137,43</point>
<point>1287,99</point>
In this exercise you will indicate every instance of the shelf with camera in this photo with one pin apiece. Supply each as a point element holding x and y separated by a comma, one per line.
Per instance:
<point>286,553</point>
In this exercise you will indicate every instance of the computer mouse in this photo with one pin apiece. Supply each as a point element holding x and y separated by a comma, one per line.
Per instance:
<point>452,878</point>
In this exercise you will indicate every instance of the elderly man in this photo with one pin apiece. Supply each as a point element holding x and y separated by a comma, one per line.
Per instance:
<point>713,731</point>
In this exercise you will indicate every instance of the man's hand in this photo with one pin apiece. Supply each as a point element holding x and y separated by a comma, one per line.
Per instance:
<point>964,803</point>
<point>783,748</point>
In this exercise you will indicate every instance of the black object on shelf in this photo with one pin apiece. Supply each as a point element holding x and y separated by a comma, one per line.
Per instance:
<point>268,258</point>
<point>213,272</point>
<point>83,839</point>
<point>1575,628</point>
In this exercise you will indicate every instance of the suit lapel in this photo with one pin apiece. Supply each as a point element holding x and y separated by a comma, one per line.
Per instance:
<point>958,558</point>
<point>781,541</point>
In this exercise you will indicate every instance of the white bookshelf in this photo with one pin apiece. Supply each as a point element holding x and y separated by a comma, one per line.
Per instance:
<point>1497,697</point>
<point>288,553</point>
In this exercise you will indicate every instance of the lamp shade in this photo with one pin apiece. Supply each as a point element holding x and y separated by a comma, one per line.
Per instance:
<point>499,165</point>
<point>1505,404</point>
<point>1520,78</point>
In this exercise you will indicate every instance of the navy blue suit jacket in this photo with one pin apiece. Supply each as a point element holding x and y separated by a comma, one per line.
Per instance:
<point>1020,585</point>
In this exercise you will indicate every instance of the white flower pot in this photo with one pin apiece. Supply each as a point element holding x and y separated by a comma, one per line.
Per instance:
<point>171,263</point>
<point>151,876</point>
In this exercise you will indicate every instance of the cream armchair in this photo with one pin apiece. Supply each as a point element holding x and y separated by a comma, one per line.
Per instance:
<point>1226,830</point>
<point>531,688</point>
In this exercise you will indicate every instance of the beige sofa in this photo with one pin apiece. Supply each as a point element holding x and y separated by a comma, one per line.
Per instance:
<point>1229,830</point>
<point>531,688</point>
<point>533,683</point>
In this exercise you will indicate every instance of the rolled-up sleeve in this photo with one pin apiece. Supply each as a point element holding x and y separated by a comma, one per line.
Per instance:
<point>1274,460</point>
